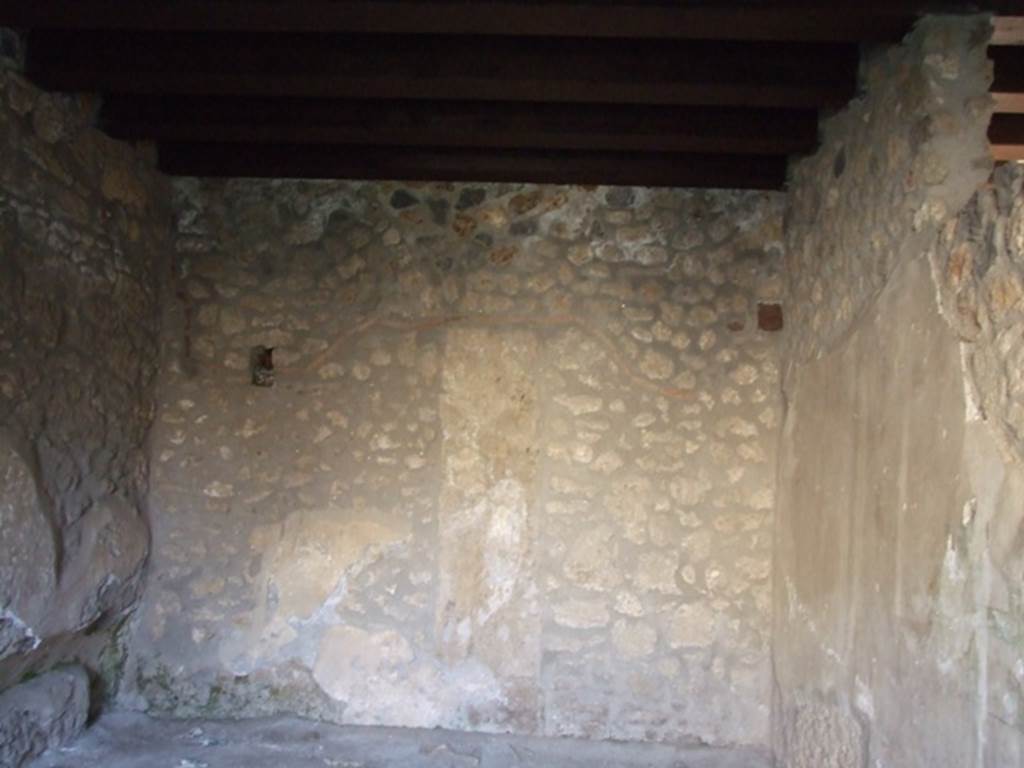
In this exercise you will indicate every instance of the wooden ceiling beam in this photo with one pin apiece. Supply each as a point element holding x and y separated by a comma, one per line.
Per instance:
<point>414,164</point>
<point>791,21</point>
<point>1008,30</point>
<point>797,75</point>
<point>1004,153</point>
<point>507,125</point>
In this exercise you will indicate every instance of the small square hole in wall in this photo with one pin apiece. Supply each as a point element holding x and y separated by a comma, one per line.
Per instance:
<point>261,361</point>
<point>769,317</point>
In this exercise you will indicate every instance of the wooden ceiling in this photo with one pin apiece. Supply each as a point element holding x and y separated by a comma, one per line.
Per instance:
<point>647,93</point>
<point>1006,132</point>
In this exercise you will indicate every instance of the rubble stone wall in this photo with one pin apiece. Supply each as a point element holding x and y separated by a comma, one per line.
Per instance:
<point>514,472</point>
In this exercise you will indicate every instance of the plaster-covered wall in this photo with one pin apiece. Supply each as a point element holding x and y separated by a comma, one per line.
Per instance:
<point>84,237</point>
<point>897,637</point>
<point>515,471</point>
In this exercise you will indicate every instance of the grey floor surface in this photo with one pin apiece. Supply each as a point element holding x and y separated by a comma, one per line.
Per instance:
<point>128,740</point>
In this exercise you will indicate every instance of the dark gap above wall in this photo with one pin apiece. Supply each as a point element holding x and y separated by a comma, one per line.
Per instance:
<point>643,93</point>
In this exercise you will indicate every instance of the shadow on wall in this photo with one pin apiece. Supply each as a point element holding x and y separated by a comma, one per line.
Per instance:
<point>83,237</point>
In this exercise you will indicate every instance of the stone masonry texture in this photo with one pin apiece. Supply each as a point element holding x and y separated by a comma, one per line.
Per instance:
<point>893,168</point>
<point>43,713</point>
<point>708,468</point>
<point>84,238</point>
<point>898,606</point>
<point>515,471</point>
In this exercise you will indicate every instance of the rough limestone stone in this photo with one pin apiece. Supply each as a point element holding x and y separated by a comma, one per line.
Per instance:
<point>581,614</point>
<point>633,640</point>
<point>46,712</point>
<point>656,572</point>
<point>822,736</point>
<point>590,560</point>
<point>692,626</point>
<point>104,554</point>
<point>979,271</point>
<point>28,571</point>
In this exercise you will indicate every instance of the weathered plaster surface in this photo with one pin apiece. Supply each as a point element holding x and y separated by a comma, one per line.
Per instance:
<point>84,232</point>
<point>515,472</point>
<point>897,563</point>
<point>870,664</point>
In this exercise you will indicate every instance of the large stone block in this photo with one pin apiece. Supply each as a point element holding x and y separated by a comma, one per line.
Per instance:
<point>28,574</point>
<point>103,554</point>
<point>819,735</point>
<point>83,235</point>
<point>46,712</point>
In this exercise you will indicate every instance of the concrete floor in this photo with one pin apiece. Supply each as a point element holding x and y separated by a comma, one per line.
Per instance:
<point>128,740</point>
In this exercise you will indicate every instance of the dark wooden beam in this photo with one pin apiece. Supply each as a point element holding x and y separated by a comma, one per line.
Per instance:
<point>791,21</point>
<point>1008,79</point>
<point>797,75</point>
<point>366,163</point>
<point>1006,135</point>
<point>508,125</point>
